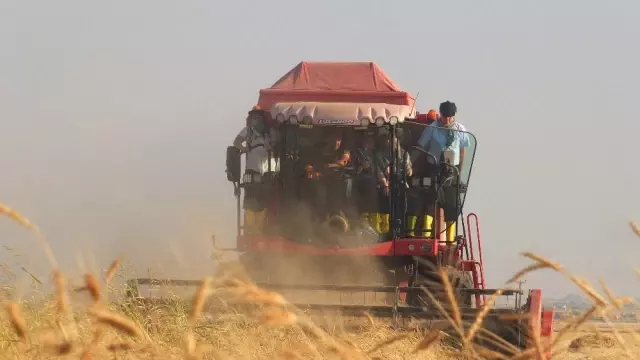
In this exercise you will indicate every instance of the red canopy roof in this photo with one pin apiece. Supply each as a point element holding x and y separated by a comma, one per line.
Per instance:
<point>362,82</point>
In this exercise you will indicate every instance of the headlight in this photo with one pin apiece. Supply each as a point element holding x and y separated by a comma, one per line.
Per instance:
<point>252,178</point>
<point>280,118</point>
<point>412,247</point>
<point>379,121</point>
<point>364,121</point>
<point>393,120</point>
<point>293,119</point>
<point>307,120</point>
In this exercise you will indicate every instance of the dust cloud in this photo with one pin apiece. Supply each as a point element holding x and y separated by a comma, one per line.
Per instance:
<point>112,190</point>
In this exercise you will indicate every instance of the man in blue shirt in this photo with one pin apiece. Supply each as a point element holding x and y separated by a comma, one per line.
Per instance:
<point>447,140</point>
<point>446,134</point>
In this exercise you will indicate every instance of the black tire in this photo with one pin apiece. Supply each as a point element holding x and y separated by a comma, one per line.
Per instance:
<point>433,283</point>
<point>504,337</point>
<point>513,332</point>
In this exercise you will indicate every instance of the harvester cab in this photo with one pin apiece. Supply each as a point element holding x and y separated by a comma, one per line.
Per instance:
<point>362,218</point>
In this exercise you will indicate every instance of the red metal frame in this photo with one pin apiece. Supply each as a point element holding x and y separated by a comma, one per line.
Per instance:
<point>547,323</point>
<point>477,266</point>
<point>398,247</point>
<point>269,97</point>
<point>540,321</point>
<point>422,119</point>
<point>403,295</point>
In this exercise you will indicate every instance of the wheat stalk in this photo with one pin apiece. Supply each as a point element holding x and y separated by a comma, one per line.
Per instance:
<point>481,315</point>
<point>61,297</point>
<point>111,271</point>
<point>17,320</point>
<point>117,322</point>
<point>428,340</point>
<point>93,287</point>
<point>17,217</point>
<point>451,298</point>
<point>23,221</point>
<point>199,299</point>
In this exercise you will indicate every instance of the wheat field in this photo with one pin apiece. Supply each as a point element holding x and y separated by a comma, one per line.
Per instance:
<point>230,318</point>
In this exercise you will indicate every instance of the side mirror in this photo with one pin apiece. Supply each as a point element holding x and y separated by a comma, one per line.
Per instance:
<point>233,164</point>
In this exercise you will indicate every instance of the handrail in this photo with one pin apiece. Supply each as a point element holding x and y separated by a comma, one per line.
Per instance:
<point>217,248</point>
<point>479,240</point>
<point>477,223</point>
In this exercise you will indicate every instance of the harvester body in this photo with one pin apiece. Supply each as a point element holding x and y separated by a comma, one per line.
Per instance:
<point>337,230</point>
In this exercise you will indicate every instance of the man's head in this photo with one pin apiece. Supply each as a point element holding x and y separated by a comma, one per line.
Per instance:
<point>448,113</point>
<point>256,119</point>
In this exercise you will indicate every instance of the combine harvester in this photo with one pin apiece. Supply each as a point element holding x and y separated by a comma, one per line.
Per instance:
<point>349,257</point>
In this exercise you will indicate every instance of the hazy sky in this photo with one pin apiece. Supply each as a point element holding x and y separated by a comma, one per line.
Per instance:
<point>114,117</point>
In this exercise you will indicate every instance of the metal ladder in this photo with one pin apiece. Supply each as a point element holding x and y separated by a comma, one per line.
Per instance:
<point>477,266</point>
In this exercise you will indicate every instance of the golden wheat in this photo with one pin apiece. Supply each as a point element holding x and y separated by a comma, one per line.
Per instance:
<point>16,319</point>
<point>451,298</point>
<point>635,228</point>
<point>17,217</point>
<point>387,342</point>
<point>481,315</point>
<point>61,297</point>
<point>284,321</point>
<point>117,322</point>
<point>200,298</point>
<point>432,337</point>
<point>87,353</point>
<point>93,287</point>
<point>111,271</point>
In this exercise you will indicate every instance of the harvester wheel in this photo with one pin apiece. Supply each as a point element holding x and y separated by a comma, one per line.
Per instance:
<point>433,283</point>
<point>510,331</point>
